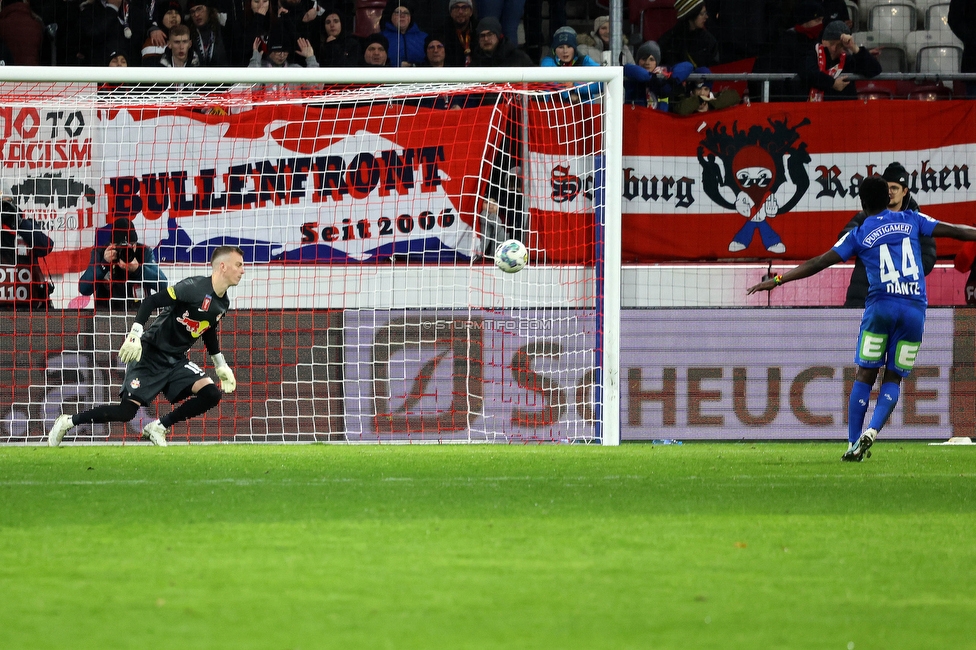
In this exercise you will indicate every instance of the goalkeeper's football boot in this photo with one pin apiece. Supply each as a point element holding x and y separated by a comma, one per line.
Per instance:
<point>155,433</point>
<point>61,426</point>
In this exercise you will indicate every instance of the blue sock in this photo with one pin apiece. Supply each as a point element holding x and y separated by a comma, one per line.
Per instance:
<point>857,408</point>
<point>886,404</point>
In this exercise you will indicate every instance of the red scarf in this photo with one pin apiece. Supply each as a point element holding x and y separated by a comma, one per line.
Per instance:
<point>817,95</point>
<point>813,33</point>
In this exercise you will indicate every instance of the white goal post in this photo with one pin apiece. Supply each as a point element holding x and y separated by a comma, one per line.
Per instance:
<point>368,203</point>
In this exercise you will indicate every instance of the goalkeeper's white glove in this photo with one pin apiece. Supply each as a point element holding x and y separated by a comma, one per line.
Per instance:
<point>131,349</point>
<point>227,381</point>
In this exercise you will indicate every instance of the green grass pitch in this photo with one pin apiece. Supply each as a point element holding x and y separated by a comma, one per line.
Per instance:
<point>754,546</point>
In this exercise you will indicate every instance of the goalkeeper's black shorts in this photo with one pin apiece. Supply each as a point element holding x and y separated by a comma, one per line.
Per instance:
<point>159,373</point>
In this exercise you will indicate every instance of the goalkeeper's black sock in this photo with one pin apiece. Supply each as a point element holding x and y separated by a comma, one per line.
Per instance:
<point>205,399</point>
<point>108,413</point>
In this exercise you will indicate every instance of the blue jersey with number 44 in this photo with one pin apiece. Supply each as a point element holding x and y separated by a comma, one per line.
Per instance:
<point>888,245</point>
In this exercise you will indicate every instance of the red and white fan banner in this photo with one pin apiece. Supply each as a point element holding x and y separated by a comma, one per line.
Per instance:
<point>765,180</point>
<point>564,142</point>
<point>296,182</point>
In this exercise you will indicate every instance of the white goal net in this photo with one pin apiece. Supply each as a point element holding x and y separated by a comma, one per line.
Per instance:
<point>369,207</point>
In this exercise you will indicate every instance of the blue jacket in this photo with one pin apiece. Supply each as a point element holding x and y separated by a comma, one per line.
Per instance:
<point>586,92</point>
<point>405,47</point>
<point>641,87</point>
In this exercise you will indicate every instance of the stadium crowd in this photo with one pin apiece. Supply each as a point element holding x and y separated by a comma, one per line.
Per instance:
<point>822,42</point>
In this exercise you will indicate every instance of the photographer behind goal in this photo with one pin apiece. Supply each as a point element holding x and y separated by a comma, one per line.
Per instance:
<point>23,284</point>
<point>122,273</point>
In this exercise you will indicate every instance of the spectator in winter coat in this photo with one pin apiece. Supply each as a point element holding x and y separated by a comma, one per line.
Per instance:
<point>279,49</point>
<point>828,66</point>
<point>596,44</point>
<point>460,39</point>
<point>435,52</point>
<point>339,49</point>
<point>649,84</point>
<point>170,15</point>
<point>95,33</point>
<point>405,38</point>
<point>790,51</point>
<point>257,22</point>
<point>494,50</point>
<point>688,40</point>
<point>179,50</point>
<point>375,51</point>
<point>565,53</point>
<point>207,34</point>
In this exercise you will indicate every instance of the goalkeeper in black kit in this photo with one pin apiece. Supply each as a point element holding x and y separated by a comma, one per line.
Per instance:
<point>156,360</point>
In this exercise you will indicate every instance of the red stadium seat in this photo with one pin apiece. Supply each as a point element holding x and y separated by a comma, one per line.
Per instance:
<point>655,17</point>
<point>930,92</point>
<point>867,90</point>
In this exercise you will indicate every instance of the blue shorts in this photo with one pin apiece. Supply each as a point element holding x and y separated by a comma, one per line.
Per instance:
<point>890,336</point>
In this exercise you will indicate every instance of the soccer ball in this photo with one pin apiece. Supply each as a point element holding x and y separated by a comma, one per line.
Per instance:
<point>511,256</point>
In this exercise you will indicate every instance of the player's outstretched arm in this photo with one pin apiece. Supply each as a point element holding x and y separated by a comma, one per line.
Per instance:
<point>954,231</point>
<point>810,267</point>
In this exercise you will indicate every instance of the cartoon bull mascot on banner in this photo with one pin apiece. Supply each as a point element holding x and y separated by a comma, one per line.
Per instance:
<point>759,172</point>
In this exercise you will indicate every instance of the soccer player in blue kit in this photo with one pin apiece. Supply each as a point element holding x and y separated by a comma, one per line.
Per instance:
<point>894,312</point>
<point>156,360</point>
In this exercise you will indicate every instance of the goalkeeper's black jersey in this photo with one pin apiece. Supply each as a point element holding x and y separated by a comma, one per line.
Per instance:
<point>197,309</point>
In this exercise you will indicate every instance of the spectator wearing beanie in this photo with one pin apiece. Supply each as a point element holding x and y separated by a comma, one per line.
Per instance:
<point>494,50</point>
<point>435,55</point>
<point>688,40</point>
<point>565,51</point>
<point>564,54</point>
<point>649,84</point>
<point>279,48</point>
<point>461,37</point>
<point>376,51</point>
<point>828,66</point>
<point>596,44</point>
<point>899,184</point>
<point>168,15</point>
